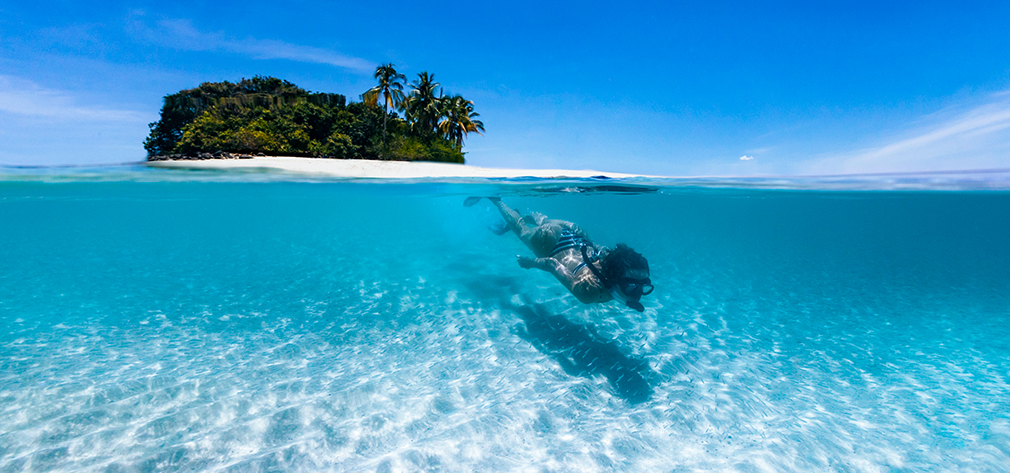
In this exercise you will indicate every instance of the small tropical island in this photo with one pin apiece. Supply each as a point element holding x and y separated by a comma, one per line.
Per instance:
<point>267,116</point>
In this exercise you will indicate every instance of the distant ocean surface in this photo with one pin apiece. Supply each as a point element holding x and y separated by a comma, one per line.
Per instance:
<point>155,320</point>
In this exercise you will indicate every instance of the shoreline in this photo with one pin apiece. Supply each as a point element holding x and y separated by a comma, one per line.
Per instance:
<point>375,169</point>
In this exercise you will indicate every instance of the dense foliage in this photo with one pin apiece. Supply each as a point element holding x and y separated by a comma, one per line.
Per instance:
<point>274,117</point>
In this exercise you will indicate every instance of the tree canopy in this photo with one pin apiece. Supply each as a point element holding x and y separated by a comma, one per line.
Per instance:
<point>390,89</point>
<point>275,117</point>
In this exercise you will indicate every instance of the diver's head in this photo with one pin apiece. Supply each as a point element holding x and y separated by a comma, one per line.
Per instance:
<point>627,272</point>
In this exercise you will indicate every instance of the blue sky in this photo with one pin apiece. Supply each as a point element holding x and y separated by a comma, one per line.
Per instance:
<point>702,88</point>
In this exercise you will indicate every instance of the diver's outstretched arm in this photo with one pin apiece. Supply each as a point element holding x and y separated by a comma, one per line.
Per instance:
<point>585,292</point>
<point>550,265</point>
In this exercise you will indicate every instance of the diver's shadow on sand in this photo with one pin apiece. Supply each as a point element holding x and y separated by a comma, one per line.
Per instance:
<point>577,348</point>
<point>582,352</point>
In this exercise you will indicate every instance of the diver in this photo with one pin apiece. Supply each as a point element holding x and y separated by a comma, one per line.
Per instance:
<point>563,249</point>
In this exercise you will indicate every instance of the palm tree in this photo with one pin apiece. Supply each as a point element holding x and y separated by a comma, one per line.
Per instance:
<point>458,119</point>
<point>422,105</point>
<point>390,88</point>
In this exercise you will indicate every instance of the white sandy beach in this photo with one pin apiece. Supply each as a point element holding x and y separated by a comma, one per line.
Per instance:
<point>360,168</point>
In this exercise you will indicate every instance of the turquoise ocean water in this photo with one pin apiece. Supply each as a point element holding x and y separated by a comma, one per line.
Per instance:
<point>166,320</point>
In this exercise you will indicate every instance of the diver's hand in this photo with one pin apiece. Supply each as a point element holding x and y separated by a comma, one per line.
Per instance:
<point>526,262</point>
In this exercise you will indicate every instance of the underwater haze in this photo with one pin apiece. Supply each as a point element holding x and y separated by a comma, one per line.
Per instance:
<point>158,320</point>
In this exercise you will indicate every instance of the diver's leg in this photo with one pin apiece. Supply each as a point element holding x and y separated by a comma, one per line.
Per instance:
<point>535,218</point>
<point>512,218</point>
<point>533,230</point>
<point>533,236</point>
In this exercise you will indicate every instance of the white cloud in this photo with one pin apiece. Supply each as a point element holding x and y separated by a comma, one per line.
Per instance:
<point>23,97</point>
<point>746,158</point>
<point>949,140</point>
<point>183,35</point>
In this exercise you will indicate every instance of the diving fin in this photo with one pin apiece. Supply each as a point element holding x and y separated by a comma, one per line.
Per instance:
<point>499,228</point>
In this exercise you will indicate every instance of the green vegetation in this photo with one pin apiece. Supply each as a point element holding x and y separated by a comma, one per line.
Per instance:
<point>275,117</point>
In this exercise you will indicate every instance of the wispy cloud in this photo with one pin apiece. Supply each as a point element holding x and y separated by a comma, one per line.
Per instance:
<point>23,97</point>
<point>182,34</point>
<point>746,158</point>
<point>949,140</point>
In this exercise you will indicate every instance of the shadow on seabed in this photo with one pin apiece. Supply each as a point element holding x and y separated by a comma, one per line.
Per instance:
<point>578,348</point>
<point>581,351</point>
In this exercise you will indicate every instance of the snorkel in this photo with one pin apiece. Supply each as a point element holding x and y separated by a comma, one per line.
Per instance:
<point>631,300</point>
